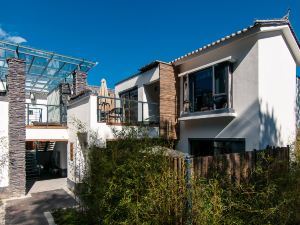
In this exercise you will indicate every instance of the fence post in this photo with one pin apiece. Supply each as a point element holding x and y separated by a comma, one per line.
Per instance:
<point>255,158</point>
<point>188,178</point>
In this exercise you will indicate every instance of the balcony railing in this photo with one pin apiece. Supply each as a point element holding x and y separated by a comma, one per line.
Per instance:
<point>124,111</point>
<point>40,114</point>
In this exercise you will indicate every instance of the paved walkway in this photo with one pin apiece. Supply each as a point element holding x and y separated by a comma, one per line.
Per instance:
<point>48,185</point>
<point>30,210</point>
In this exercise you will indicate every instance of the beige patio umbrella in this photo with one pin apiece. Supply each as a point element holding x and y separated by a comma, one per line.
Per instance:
<point>104,102</point>
<point>103,89</point>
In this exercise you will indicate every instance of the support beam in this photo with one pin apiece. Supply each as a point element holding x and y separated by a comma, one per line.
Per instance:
<point>16,126</point>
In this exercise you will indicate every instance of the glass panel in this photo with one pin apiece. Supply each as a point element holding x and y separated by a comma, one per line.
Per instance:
<point>220,78</point>
<point>124,110</point>
<point>200,86</point>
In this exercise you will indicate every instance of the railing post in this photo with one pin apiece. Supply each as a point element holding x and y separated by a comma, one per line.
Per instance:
<point>47,115</point>
<point>142,112</point>
<point>188,177</point>
<point>27,114</point>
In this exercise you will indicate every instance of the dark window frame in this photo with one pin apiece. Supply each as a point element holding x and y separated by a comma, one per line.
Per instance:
<point>189,95</point>
<point>215,140</point>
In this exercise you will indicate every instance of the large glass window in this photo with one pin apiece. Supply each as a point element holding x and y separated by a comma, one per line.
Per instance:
<point>210,147</point>
<point>208,88</point>
<point>200,85</point>
<point>130,105</point>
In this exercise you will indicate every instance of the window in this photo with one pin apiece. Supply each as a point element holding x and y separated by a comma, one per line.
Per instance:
<point>130,105</point>
<point>131,94</point>
<point>207,89</point>
<point>210,147</point>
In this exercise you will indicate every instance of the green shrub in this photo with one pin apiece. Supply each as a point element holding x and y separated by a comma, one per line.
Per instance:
<point>131,182</point>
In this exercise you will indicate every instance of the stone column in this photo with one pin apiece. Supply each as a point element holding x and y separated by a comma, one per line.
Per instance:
<point>79,82</point>
<point>168,105</point>
<point>16,126</point>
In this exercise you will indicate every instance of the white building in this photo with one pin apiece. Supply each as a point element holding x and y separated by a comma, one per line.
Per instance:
<point>235,94</point>
<point>35,87</point>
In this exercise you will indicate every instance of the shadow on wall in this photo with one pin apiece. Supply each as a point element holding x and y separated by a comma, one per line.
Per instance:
<point>270,133</point>
<point>254,124</point>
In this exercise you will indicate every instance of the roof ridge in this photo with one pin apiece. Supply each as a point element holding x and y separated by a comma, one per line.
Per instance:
<point>281,21</point>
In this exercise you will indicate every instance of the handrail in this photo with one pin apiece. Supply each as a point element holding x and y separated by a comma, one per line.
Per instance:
<point>42,104</point>
<point>125,99</point>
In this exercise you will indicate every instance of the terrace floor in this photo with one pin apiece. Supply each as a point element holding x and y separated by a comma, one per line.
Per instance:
<point>43,197</point>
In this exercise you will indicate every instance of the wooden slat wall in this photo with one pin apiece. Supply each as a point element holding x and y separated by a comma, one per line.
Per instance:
<point>235,166</point>
<point>168,101</point>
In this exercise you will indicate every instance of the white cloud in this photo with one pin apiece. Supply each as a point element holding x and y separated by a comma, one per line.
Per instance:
<point>16,39</point>
<point>2,33</point>
<point>11,38</point>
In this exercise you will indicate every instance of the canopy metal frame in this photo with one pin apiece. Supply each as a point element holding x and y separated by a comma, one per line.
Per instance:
<point>44,70</point>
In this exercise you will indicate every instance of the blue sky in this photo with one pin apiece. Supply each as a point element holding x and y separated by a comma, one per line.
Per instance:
<point>123,35</point>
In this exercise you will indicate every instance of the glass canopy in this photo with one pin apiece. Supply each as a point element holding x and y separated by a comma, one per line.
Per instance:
<point>44,70</point>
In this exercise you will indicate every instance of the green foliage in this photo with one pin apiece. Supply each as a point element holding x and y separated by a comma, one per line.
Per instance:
<point>69,217</point>
<point>269,197</point>
<point>131,182</point>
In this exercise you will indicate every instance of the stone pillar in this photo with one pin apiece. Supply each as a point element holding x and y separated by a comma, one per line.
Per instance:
<point>79,82</point>
<point>16,126</point>
<point>168,105</point>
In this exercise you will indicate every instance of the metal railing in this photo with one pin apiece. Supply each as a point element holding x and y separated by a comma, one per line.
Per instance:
<point>41,114</point>
<point>126,111</point>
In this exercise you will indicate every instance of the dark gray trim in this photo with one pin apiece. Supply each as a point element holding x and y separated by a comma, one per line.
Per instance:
<point>217,111</point>
<point>218,139</point>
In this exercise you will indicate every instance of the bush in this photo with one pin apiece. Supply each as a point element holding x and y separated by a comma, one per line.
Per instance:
<point>131,182</point>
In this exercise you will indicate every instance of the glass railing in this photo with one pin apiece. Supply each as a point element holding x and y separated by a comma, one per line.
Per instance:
<point>125,111</point>
<point>39,114</point>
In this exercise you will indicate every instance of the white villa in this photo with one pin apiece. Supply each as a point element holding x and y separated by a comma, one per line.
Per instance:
<point>233,95</point>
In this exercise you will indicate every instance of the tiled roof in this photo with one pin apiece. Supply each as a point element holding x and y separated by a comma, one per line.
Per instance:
<point>257,23</point>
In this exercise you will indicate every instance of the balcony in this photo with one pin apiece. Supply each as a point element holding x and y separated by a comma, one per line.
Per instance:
<point>45,115</point>
<point>117,111</point>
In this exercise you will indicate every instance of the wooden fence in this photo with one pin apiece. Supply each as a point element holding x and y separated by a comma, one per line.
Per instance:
<point>237,166</point>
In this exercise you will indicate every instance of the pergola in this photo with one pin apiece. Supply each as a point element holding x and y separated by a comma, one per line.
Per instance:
<point>44,70</point>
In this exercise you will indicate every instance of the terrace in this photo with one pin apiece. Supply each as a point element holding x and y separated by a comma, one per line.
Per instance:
<point>48,76</point>
<point>121,111</point>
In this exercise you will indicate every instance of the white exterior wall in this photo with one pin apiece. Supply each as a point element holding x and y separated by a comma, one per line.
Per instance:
<point>4,180</point>
<point>85,110</point>
<point>277,91</point>
<point>264,93</point>
<point>49,133</point>
<point>80,111</point>
<point>245,96</point>
<point>139,81</point>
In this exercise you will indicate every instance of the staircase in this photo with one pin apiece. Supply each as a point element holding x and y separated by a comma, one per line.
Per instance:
<point>45,146</point>
<point>32,172</point>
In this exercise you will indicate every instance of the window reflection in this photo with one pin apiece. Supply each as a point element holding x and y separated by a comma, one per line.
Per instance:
<point>207,89</point>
